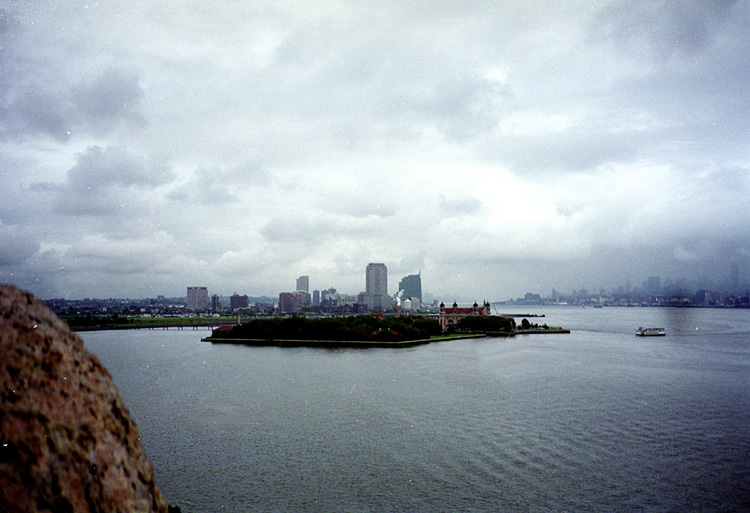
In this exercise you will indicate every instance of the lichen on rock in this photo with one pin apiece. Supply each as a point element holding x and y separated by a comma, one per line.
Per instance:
<point>67,442</point>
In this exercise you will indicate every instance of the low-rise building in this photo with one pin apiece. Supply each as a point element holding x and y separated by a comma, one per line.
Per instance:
<point>453,315</point>
<point>236,301</point>
<point>288,303</point>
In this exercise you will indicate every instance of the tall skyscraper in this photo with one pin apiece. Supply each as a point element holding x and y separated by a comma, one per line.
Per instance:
<point>197,298</point>
<point>734,278</point>
<point>411,286</point>
<point>303,284</point>
<point>376,287</point>
<point>653,285</point>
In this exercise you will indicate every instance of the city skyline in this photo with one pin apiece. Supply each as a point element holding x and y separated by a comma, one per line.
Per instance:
<point>649,285</point>
<point>510,146</point>
<point>651,292</point>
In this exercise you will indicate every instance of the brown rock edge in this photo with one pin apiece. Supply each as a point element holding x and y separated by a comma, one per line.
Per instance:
<point>67,442</point>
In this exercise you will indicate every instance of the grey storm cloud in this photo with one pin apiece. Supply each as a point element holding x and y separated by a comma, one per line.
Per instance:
<point>96,107</point>
<point>39,98</point>
<point>497,147</point>
<point>468,106</point>
<point>103,180</point>
<point>667,27</point>
<point>102,167</point>
<point>16,247</point>
<point>111,97</point>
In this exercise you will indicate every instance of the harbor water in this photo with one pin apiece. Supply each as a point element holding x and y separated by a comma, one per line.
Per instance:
<point>594,420</point>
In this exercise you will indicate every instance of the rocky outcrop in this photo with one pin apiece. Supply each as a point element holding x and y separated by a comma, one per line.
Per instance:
<point>67,442</point>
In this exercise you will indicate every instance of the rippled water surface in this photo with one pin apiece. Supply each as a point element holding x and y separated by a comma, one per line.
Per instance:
<point>597,420</point>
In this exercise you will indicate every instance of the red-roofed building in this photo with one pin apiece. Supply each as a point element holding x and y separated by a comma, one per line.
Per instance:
<point>452,316</point>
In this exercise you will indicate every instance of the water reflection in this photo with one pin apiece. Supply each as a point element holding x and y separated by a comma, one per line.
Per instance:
<point>679,321</point>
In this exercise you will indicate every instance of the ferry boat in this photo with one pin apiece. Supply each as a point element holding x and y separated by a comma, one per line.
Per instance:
<point>650,332</point>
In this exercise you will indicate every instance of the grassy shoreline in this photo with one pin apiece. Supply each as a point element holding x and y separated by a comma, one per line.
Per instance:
<point>96,324</point>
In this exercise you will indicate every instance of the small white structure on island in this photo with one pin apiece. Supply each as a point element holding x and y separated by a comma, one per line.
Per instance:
<point>452,316</point>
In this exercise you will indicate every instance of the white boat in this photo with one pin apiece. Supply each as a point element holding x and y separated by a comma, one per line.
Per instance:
<point>650,332</point>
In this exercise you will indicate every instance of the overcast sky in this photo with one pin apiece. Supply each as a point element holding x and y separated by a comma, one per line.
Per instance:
<point>497,147</point>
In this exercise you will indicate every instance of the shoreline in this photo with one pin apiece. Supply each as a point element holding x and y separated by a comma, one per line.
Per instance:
<point>373,344</point>
<point>193,327</point>
<point>542,331</point>
<point>365,344</point>
<point>318,343</point>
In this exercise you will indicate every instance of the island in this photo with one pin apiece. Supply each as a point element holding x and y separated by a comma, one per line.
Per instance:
<point>528,328</point>
<point>357,331</point>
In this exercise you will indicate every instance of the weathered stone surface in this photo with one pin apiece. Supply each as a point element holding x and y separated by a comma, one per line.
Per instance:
<point>67,443</point>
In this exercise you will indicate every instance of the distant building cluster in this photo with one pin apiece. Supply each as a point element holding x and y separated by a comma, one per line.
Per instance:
<point>409,298</point>
<point>197,300</point>
<point>375,297</point>
<point>652,292</point>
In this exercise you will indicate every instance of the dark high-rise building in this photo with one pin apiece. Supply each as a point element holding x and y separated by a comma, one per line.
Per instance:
<point>376,287</point>
<point>236,301</point>
<point>411,286</point>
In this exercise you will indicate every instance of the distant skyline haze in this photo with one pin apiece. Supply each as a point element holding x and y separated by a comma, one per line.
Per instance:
<point>497,147</point>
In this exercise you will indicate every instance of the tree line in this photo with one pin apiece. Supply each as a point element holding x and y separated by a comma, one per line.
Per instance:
<point>360,327</point>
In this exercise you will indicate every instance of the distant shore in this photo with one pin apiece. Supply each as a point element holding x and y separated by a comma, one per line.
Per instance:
<point>185,326</point>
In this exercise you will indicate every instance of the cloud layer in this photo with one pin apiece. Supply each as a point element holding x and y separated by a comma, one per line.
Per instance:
<point>497,147</point>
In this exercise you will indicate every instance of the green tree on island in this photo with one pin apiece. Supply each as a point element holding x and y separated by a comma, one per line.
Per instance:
<point>360,328</point>
<point>486,324</point>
